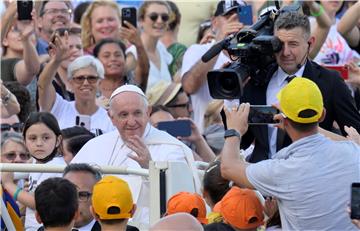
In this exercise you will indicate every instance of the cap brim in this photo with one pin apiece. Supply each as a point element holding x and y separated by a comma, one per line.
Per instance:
<point>233,8</point>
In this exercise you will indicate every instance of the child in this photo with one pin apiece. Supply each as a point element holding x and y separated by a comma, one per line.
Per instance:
<point>42,137</point>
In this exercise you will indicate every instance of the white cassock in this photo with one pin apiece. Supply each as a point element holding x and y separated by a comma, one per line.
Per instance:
<point>109,149</point>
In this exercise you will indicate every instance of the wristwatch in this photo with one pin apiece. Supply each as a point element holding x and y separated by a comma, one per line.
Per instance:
<point>231,132</point>
<point>5,99</point>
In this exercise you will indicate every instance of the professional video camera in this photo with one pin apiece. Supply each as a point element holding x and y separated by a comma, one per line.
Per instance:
<point>253,49</point>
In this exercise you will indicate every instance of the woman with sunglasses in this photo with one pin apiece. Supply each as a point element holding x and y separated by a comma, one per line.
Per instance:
<point>83,75</point>
<point>42,137</point>
<point>19,61</point>
<point>13,150</point>
<point>101,20</point>
<point>153,19</point>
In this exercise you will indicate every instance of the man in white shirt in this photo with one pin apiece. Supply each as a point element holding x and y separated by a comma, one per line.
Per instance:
<point>194,71</point>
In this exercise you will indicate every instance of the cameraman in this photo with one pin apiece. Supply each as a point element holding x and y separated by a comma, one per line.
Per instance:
<point>194,71</point>
<point>293,29</point>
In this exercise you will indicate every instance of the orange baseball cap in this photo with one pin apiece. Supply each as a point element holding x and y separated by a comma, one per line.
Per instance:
<point>186,202</point>
<point>241,208</point>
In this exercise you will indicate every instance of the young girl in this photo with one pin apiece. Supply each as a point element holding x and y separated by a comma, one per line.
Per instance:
<point>42,137</point>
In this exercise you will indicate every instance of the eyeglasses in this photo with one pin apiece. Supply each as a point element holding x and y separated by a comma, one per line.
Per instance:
<point>155,16</point>
<point>187,105</point>
<point>12,155</point>
<point>84,196</point>
<point>80,79</point>
<point>71,30</point>
<point>57,11</point>
<point>16,126</point>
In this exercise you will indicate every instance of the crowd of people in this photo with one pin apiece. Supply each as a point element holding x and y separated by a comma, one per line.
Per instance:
<point>81,87</point>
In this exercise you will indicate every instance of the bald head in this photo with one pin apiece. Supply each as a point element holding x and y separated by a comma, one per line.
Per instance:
<point>178,221</point>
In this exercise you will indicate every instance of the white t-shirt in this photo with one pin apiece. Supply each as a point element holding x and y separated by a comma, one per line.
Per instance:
<point>201,98</point>
<point>35,178</point>
<point>65,112</point>
<point>155,74</point>
<point>335,49</point>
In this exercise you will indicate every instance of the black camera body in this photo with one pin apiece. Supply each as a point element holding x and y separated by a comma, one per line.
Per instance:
<point>254,49</point>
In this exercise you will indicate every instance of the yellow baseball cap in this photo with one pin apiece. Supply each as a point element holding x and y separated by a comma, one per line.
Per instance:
<point>299,95</point>
<point>112,199</point>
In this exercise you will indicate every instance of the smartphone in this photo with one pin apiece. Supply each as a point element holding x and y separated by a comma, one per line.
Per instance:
<point>344,72</point>
<point>128,14</point>
<point>24,9</point>
<point>83,121</point>
<point>262,114</point>
<point>245,15</point>
<point>176,127</point>
<point>355,201</point>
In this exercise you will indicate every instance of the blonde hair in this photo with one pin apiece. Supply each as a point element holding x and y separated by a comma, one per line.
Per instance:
<point>147,3</point>
<point>212,113</point>
<point>87,37</point>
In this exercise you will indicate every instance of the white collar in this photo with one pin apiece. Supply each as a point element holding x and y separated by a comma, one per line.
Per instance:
<point>282,75</point>
<point>87,227</point>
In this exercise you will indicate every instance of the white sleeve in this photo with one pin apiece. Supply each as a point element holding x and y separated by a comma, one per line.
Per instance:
<point>60,107</point>
<point>192,55</point>
<point>132,50</point>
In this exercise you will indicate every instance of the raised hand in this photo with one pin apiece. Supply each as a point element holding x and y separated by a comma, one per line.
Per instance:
<point>59,48</point>
<point>130,34</point>
<point>237,118</point>
<point>195,134</point>
<point>231,26</point>
<point>354,74</point>
<point>352,134</point>
<point>142,156</point>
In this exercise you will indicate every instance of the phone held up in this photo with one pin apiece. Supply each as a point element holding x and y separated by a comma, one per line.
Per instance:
<point>343,71</point>
<point>355,201</point>
<point>262,114</point>
<point>24,9</point>
<point>83,121</point>
<point>176,127</point>
<point>128,14</point>
<point>245,14</point>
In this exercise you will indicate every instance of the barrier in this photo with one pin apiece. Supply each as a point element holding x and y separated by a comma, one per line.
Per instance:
<point>165,179</point>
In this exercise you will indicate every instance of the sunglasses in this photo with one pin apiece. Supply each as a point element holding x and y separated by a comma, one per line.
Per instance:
<point>16,126</point>
<point>187,105</point>
<point>84,195</point>
<point>12,156</point>
<point>155,16</point>
<point>80,79</point>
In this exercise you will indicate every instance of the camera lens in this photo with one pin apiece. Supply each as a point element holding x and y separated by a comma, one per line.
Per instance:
<point>228,83</point>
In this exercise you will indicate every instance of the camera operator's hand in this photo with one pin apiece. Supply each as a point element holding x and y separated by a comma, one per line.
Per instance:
<point>237,118</point>
<point>231,25</point>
